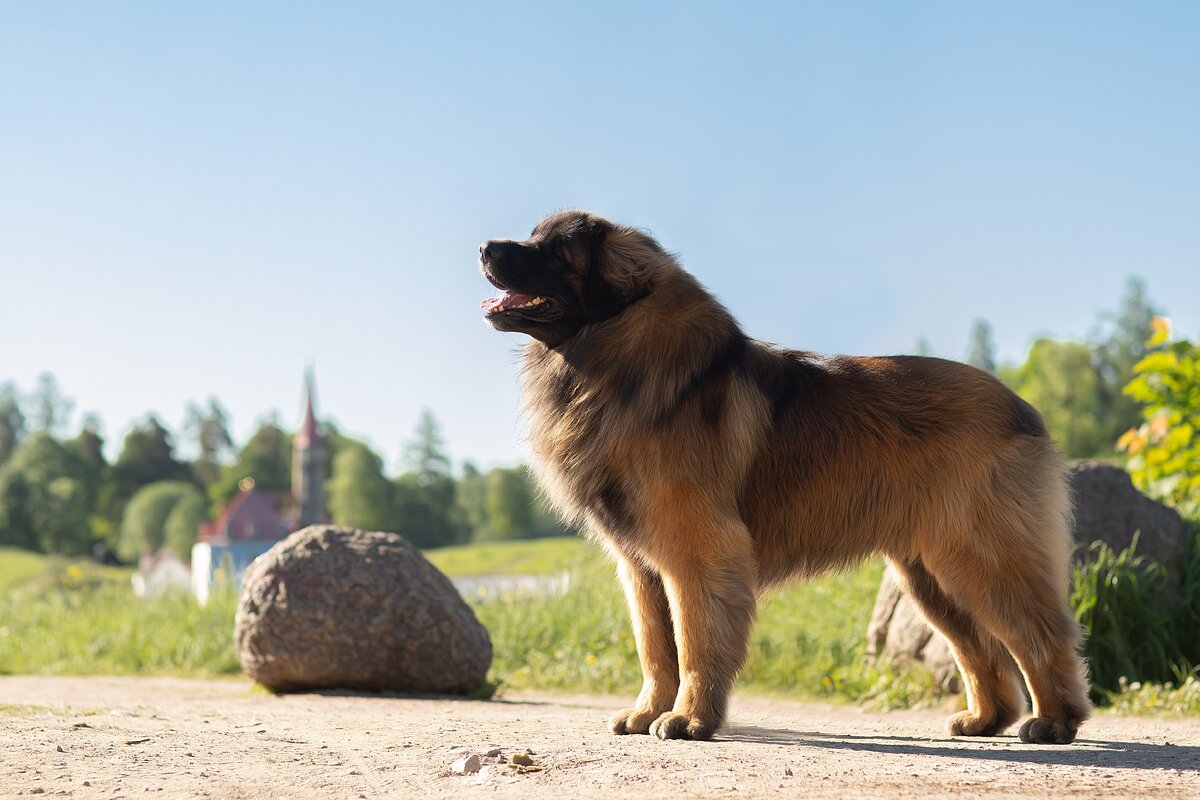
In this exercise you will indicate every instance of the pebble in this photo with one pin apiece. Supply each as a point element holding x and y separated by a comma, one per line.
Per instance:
<point>520,759</point>
<point>60,749</point>
<point>467,765</point>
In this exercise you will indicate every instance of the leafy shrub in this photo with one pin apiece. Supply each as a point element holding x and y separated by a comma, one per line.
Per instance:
<point>1164,452</point>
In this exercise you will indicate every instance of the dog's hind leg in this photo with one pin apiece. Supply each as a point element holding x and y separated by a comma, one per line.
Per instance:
<point>654,634</point>
<point>993,683</point>
<point>1012,574</point>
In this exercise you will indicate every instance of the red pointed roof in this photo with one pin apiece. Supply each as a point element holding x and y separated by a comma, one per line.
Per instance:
<point>308,435</point>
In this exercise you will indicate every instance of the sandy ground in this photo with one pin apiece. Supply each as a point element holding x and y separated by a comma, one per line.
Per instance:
<point>137,737</point>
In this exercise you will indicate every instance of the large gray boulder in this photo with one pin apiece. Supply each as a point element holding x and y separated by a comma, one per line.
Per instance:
<point>332,607</point>
<point>1107,508</point>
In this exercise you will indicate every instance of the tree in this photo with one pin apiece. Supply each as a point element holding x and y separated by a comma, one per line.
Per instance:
<point>50,409</point>
<point>209,428</point>
<point>12,421</point>
<point>266,458</point>
<point>471,496</point>
<point>509,504</point>
<point>982,352</point>
<point>427,510</point>
<point>147,456</point>
<point>358,493</point>
<point>425,455</point>
<point>923,348</point>
<point>44,498</point>
<point>88,447</point>
<point>183,523</point>
<point>1061,381</point>
<point>144,527</point>
<point>1120,342</point>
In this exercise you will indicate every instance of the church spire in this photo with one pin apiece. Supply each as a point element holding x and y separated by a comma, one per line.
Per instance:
<point>308,461</point>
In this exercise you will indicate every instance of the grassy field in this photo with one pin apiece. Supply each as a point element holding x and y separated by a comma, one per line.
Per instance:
<point>61,617</point>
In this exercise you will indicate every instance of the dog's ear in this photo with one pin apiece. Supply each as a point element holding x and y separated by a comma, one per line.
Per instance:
<point>629,260</point>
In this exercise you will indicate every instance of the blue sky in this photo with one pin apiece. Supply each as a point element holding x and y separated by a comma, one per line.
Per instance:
<point>196,198</point>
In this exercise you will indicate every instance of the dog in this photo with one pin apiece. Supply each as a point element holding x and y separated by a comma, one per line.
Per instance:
<point>713,466</point>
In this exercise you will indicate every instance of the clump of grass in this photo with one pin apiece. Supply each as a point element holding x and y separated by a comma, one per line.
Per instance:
<point>1172,697</point>
<point>79,620</point>
<point>1117,598</point>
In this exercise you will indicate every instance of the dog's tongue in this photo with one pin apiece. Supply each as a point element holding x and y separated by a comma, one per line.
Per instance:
<point>506,300</point>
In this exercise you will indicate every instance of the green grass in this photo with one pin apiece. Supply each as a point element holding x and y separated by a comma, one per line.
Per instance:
<point>529,557</point>
<point>74,617</point>
<point>19,566</point>
<point>810,641</point>
<point>78,618</point>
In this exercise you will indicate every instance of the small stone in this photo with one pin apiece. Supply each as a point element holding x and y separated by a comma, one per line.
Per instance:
<point>59,748</point>
<point>495,751</point>
<point>788,772</point>
<point>37,790</point>
<point>467,765</point>
<point>520,760</point>
<point>87,783</point>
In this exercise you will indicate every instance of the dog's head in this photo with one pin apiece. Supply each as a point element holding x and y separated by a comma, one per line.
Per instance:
<point>574,270</point>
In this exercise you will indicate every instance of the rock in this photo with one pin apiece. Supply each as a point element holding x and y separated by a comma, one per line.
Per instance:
<point>1107,508</point>
<point>333,607</point>
<point>1110,509</point>
<point>520,760</point>
<point>467,765</point>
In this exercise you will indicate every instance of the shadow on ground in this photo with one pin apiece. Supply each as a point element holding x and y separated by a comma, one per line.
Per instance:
<point>1083,753</point>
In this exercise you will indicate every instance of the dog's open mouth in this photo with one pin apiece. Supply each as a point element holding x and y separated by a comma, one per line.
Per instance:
<point>512,301</point>
<point>518,304</point>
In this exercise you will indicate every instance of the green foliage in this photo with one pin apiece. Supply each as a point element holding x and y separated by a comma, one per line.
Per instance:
<point>209,428</point>
<point>163,513</point>
<point>266,458</point>
<point>147,456</point>
<point>44,498</point>
<point>358,494</point>
<point>1181,696</point>
<point>1117,598</point>
<point>78,619</point>
<point>1164,452</point>
<point>1061,381</point>
<point>427,511</point>
<point>12,421</point>
<point>1119,344</point>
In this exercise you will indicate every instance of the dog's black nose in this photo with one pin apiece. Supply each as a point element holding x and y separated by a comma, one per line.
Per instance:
<point>487,250</point>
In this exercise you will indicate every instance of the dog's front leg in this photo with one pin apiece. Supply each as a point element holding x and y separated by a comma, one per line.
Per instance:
<point>710,588</point>
<point>653,633</point>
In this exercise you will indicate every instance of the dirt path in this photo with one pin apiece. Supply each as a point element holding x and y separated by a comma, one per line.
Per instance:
<point>127,737</point>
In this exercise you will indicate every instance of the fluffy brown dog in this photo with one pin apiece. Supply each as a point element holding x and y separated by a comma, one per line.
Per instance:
<point>714,466</point>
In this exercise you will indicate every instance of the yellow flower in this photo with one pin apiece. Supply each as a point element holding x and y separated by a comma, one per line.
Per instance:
<point>1160,330</point>
<point>591,659</point>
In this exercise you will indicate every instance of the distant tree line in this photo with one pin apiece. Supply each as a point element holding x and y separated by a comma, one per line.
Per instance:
<point>1078,385</point>
<point>59,494</point>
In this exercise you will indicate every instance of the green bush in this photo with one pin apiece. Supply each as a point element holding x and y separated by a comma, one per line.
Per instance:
<point>1136,631</point>
<point>1164,452</point>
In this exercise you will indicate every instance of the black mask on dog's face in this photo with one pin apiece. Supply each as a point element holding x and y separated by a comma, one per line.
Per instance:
<point>553,283</point>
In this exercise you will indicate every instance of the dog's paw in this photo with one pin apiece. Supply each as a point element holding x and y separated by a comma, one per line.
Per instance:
<point>968,723</point>
<point>681,726</point>
<point>632,720</point>
<point>1043,730</point>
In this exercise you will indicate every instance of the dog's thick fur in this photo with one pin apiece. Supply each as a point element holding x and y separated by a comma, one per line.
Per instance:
<point>714,466</point>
